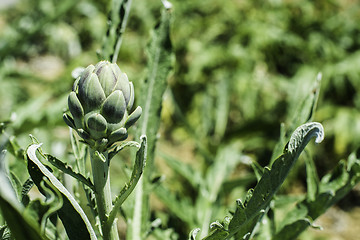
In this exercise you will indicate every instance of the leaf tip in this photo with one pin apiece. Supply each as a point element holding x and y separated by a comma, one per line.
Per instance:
<point>167,4</point>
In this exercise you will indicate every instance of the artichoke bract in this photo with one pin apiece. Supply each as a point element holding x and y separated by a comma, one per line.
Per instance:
<point>99,103</point>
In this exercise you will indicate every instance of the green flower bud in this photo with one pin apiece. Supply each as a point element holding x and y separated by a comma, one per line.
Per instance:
<point>100,104</point>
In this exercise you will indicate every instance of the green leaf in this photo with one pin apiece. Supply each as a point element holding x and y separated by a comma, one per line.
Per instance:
<point>225,162</point>
<point>42,210</point>
<point>5,233</point>
<point>118,19</point>
<point>292,214</point>
<point>117,149</point>
<point>335,185</point>
<point>16,184</point>
<point>25,190</point>
<point>301,114</point>
<point>159,54</point>
<point>68,170</point>
<point>71,214</point>
<point>14,148</point>
<point>312,178</point>
<point>332,187</point>
<point>291,231</point>
<point>304,111</point>
<point>258,170</point>
<point>135,176</point>
<point>21,225</point>
<point>244,219</point>
<point>218,232</point>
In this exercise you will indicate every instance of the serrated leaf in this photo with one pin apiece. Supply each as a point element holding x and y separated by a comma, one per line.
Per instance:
<point>71,214</point>
<point>5,233</point>
<point>247,230</point>
<point>68,170</point>
<point>159,54</point>
<point>218,232</point>
<point>258,170</point>
<point>332,188</point>
<point>138,169</point>
<point>274,177</point>
<point>21,225</point>
<point>116,28</point>
<point>116,150</point>
<point>28,184</point>
<point>41,210</point>
<point>303,113</point>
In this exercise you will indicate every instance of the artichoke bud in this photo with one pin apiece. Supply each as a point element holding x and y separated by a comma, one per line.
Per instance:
<point>99,103</point>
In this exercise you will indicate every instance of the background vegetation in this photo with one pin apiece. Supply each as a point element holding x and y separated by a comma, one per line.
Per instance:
<point>241,68</point>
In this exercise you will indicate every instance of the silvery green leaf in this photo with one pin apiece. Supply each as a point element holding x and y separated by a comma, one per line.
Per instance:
<point>68,170</point>
<point>71,214</point>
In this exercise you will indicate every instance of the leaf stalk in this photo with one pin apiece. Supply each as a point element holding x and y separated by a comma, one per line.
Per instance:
<point>101,179</point>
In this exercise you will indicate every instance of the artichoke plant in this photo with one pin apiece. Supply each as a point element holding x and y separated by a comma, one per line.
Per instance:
<point>99,103</point>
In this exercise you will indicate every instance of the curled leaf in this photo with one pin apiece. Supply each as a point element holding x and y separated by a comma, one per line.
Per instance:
<point>71,214</point>
<point>302,135</point>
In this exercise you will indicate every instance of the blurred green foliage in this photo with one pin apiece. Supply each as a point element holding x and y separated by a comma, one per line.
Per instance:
<point>242,68</point>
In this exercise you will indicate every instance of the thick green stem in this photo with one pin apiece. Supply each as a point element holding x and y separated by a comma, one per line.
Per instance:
<point>101,178</point>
